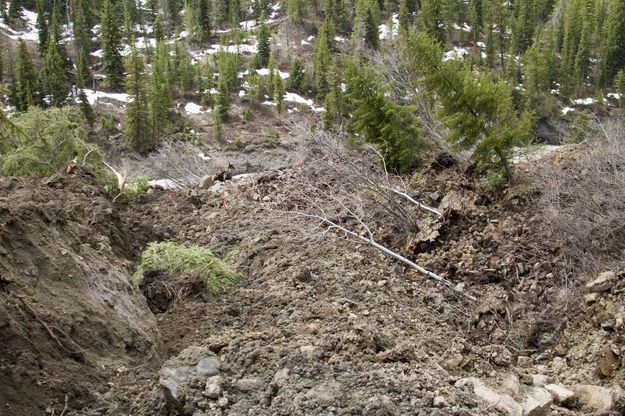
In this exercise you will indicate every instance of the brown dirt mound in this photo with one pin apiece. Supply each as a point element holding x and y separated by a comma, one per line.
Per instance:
<point>69,316</point>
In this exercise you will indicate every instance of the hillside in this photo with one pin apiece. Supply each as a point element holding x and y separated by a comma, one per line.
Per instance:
<point>329,207</point>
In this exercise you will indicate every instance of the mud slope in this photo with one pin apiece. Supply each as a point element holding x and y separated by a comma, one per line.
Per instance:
<point>69,316</point>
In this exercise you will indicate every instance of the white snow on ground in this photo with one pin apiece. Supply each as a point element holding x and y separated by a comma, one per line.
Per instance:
<point>304,42</point>
<point>529,154</point>
<point>384,30</point>
<point>614,95</point>
<point>164,183</point>
<point>263,72</point>
<point>455,53</point>
<point>567,110</point>
<point>291,97</point>
<point>30,33</point>
<point>192,108</point>
<point>248,24</point>
<point>242,49</point>
<point>94,96</point>
<point>141,43</point>
<point>584,101</point>
<point>339,39</point>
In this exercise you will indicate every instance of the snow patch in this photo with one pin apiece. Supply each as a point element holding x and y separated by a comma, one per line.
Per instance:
<point>455,53</point>
<point>193,108</point>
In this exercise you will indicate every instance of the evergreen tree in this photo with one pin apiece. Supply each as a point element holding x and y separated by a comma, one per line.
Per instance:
<point>614,49</point>
<point>137,131</point>
<point>56,32</point>
<point>296,10</point>
<point>279,92</point>
<point>54,81</point>
<point>321,62</point>
<point>478,111</point>
<point>431,15</point>
<point>42,28</point>
<point>296,76</point>
<point>81,19</point>
<point>111,37</point>
<point>333,97</point>
<point>203,15</point>
<point>83,73</point>
<point>392,127</point>
<point>86,109</point>
<point>15,10</point>
<point>261,59</point>
<point>404,22</point>
<point>159,31</point>
<point>160,91</point>
<point>372,35</point>
<point>25,78</point>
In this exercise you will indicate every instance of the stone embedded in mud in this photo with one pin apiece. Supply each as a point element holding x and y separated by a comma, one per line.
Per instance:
<point>311,352</point>
<point>502,402</point>
<point>214,387</point>
<point>538,402</point>
<point>245,385</point>
<point>511,384</point>
<point>208,367</point>
<point>325,394</point>
<point>594,397</point>
<point>591,298</point>
<point>281,377</point>
<point>540,380</point>
<point>559,393</point>
<point>602,283</point>
<point>439,401</point>
<point>172,378</point>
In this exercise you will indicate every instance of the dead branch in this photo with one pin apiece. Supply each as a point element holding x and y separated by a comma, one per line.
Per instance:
<point>370,240</point>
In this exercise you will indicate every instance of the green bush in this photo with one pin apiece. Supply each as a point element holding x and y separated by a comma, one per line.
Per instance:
<point>49,140</point>
<point>179,260</point>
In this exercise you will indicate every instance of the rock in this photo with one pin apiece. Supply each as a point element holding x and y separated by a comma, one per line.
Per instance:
<point>214,387</point>
<point>511,385</point>
<point>607,361</point>
<point>524,361</point>
<point>325,394</point>
<point>538,402</point>
<point>281,377</point>
<point>503,357</point>
<point>559,365</point>
<point>311,352</point>
<point>539,380</point>
<point>171,379</point>
<point>208,367</point>
<point>248,384</point>
<point>440,402</point>
<point>602,283</point>
<point>594,397</point>
<point>503,402</point>
<point>206,182</point>
<point>559,393</point>
<point>591,298</point>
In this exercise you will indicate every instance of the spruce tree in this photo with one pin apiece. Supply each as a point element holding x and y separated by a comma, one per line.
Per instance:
<point>614,49</point>
<point>111,38</point>
<point>203,15</point>
<point>42,28</point>
<point>322,61</point>
<point>372,35</point>
<point>85,108</point>
<point>15,10</point>
<point>431,15</point>
<point>478,111</point>
<point>56,33</point>
<point>261,59</point>
<point>25,77</point>
<point>54,80</point>
<point>279,92</point>
<point>160,90</point>
<point>296,76</point>
<point>137,129</point>
<point>83,73</point>
<point>81,20</point>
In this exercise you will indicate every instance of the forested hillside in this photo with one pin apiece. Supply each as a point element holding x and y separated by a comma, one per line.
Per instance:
<point>312,207</point>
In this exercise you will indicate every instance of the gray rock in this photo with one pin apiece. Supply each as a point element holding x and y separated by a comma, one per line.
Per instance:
<point>538,402</point>
<point>214,387</point>
<point>311,352</point>
<point>602,283</point>
<point>171,379</point>
<point>591,298</point>
<point>502,402</point>
<point>440,402</point>
<point>249,384</point>
<point>594,397</point>
<point>547,132</point>
<point>511,385</point>
<point>325,394</point>
<point>539,380</point>
<point>559,393</point>
<point>281,377</point>
<point>208,367</point>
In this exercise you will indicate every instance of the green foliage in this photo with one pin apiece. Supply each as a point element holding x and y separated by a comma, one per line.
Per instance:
<point>279,92</point>
<point>54,81</point>
<point>50,140</point>
<point>42,28</point>
<point>137,130</point>
<point>392,127</point>
<point>26,79</point>
<point>111,38</point>
<point>160,94</point>
<point>179,260</point>
<point>581,128</point>
<point>86,109</point>
<point>296,76</point>
<point>478,111</point>
<point>261,59</point>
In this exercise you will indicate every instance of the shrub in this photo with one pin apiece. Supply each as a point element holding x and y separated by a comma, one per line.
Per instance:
<point>179,260</point>
<point>49,140</point>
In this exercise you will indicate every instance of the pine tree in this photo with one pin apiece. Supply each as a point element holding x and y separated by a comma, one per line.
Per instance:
<point>261,59</point>
<point>321,62</point>
<point>159,31</point>
<point>83,73</point>
<point>372,34</point>
<point>81,20</point>
<point>86,109</point>
<point>160,91</point>
<point>432,17</point>
<point>25,77</point>
<point>392,127</point>
<point>296,76</point>
<point>111,37</point>
<point>296,10</point>
<point>234,14</point>
<point>279,92</point>
<point>333,98</point>
<point>56,33</point>
<point>54,81</point>
<point>404,22</point>
<point>479,112</point>
<point>42,28</point>
<point>15,10</point>
<point>137,131</point>
<point>614,49</point>
<point>203,14</point>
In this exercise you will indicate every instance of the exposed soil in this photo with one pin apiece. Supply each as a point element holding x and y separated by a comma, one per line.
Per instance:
<point>317,324</point>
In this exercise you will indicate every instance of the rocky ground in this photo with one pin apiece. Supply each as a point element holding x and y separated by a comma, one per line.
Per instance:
<point>317,324</point>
